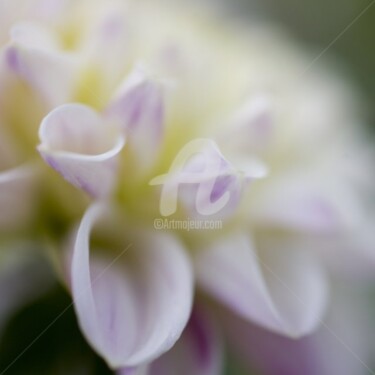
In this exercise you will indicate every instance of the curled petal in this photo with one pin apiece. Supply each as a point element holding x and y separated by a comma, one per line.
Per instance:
<point>131,310</point>
<point>211,184</point>
<point>16,196</point>
<point>139,110</point>
<point>283,289</point>
<point>77,143</point>
<point>34,56</point>
<point>139,103</point>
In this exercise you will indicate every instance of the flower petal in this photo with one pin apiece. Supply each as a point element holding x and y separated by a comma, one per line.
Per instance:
<point>133,309</point>
<point>139,110</point>
<point>198,351</point>
<point>341,346</point>
<point>33,36</point>
<point>282,289</point>
<point>210,184</point>
<point>106,42</point>
<point>34,56</point>
<point>351,256</point>
<point>312,203</point>
<point>77,143</point>
<point>267,352</point>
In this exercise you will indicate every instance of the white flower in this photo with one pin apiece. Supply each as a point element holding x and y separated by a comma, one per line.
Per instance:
<point>123,90</point>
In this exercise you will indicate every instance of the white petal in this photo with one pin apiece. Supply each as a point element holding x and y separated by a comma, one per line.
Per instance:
<point>210,185</point>
<point>106,44</point>
<point>133,309</point>
<point>282,288</point>
<point>139,110</point>
<point>34,56</point>
<point>352,254</point>
<point>313,203</point>
<point>342,346</point>
<point>33,36</point>
<point>198,351</point>
<point>78,143</point>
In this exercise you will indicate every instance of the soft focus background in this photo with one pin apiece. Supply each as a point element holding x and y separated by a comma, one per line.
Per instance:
<point>317,23</point>
<point>313,23</point>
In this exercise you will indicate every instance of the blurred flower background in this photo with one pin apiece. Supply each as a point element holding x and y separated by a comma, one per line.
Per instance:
<point>324,330</point>
<point>347,27</point>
